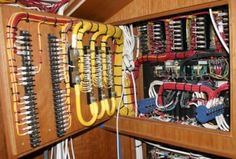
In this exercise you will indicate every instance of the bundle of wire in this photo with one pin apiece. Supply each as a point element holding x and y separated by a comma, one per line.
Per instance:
<point>182,154</point>
<point>61,150</point>
<point>202,93</point>
<point>128,67</point>
<point>51,6</point>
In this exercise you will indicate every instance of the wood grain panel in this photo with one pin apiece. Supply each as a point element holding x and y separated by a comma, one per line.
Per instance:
<point>3,150</point>
<point>98,10</point>
<point>95,143</point>
<point>213,142</point>
<point>142,10</point>
<point>127,147</point>
<point>232,27</point>
<point>19,146</point>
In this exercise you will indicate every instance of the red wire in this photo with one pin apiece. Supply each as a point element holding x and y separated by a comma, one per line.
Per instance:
<point>26,15</point>
<point>41,6</point>
<point>191,88</point>
<point>160,58</point>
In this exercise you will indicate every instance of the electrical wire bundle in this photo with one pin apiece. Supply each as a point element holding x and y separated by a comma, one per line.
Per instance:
<point>50,6</point>
<point>128,66</point>
<point>62,150</point>
<point>60,98</point>
<point>190,78</point>
<point>203,95</point>
<point>26,106</point>
<point>24,70</point>
<point>158,152</point>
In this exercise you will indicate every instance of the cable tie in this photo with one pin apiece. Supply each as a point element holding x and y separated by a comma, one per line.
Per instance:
<point>45,19</point>
<point>191,87</point>
<point>117,65</point>
<point>27,17</point>
<point>92,40</point>
<point>105,42</point>
<point>72,22</point>
<point>55,24</point>
<point>119,44</point>
<point>11,59</point>
<point>106,29</point>
<point>114,32</point>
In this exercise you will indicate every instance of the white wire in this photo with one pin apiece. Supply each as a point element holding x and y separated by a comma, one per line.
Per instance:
<point>62,9</point>
<point>51,156</point>
<point>137,46</point>
<point>75,7</point>
<point>128,64</point>
<point>20,6</point>
<point>51,1</point>
<point>129,44</point>
<point>177,151</point>
<point>117,125</point>
<point>67,154</point>
<point>224,122</point>
<point>58,150</point>
<point>217,31</point>
<point>63,149</point>
<point>153,94</point>
<point>139,152</point>
<point>72,148</point>
<point>135,94</point>
<point>220,120</point>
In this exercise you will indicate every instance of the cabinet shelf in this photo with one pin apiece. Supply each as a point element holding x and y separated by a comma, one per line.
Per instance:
<point>211,141</point>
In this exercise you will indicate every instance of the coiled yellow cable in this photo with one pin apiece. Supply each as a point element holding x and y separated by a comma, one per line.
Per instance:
<point>110,32</point>
<point>78,33</point>
<point>102,30</point>
<point>92,106</point>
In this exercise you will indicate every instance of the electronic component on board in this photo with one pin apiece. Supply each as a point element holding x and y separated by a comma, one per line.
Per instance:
<point>26,73</point>
<point>201,32</point>
<point>178,29</point>
<point>57,77</point>
<point>158,37</point>
<point>143,37</point>
<point>73,69</point>
<point>184,49</point>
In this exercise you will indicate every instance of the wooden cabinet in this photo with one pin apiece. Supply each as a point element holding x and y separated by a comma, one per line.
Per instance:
<point>199,139</point>
<point>208,141</point>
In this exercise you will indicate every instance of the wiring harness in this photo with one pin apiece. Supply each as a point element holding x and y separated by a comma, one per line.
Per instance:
<point>185,64</point>
<point>50,6</point>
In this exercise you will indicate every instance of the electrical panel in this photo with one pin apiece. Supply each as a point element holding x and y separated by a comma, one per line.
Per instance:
<point>58,76</point>
<point>185,68</point>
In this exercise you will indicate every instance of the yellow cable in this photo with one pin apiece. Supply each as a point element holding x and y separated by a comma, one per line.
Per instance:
<point>110,32</point>
<point>80,29</point>
<point>128,109</point>
<point>102,30</point>
<point>79,112</point>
